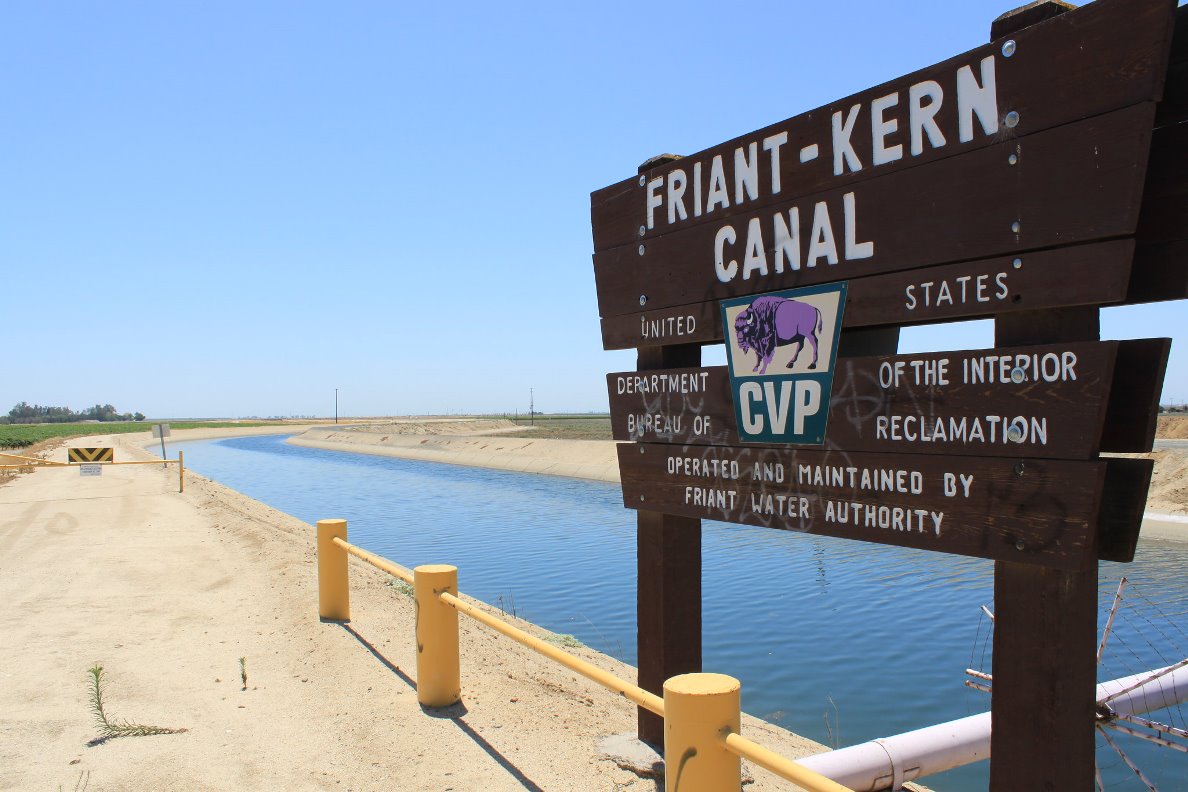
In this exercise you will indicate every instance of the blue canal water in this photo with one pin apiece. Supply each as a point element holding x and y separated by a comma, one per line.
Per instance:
<point>837,640</point>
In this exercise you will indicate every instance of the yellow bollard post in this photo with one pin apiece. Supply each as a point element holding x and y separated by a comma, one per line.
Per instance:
<point>181,471</point>
<point>699,709</point>
<point>438,675</point>
<point>334,595</point>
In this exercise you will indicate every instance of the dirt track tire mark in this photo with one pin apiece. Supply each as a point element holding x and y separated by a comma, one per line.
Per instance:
<point>12,531</point>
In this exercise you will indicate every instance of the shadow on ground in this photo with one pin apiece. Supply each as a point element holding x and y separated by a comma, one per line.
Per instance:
<point>454,713</point>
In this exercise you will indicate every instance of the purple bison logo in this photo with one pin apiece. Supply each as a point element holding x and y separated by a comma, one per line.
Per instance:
<point>771,322</point>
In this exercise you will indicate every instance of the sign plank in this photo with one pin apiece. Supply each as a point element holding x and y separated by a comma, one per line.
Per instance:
<point>1164,216</point>
<point>1095,274</point>
<point>1103,57</point>
<point>1068,404</point>
<point>1027,511</point>
<point>1077,183</point>
<point>1160,270</point>
<point>1160,273</point>
<point>1173,108</point>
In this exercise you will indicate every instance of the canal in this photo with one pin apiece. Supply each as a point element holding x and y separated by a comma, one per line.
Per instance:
<point>837,640</point>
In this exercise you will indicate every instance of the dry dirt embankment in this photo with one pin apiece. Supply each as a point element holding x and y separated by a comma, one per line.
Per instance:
<point>476,443</point>
<point>168,591</point>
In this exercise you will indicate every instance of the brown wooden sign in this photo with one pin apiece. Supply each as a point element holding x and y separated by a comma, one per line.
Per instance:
<point>1026,511</point>
<point>1038,401</point>
<point>1030,180</point>
<point>1106,56</point>
<point>1095,274</point>
<point>1076,183</point>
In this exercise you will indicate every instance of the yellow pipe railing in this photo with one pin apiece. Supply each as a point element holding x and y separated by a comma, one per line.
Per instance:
<point>783,767</point>
<point>39,462</point>
<point>34,460</point>
<point>633,693</point>
<point>702,746</point>
<point>379,562</point>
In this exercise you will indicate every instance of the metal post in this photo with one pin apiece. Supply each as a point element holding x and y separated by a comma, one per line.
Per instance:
<point>336,405</point>
<point>161,428</point>
<point>699,710</point>
<point>334,595</point>
<point>438,674</point>
<point>181,471</point>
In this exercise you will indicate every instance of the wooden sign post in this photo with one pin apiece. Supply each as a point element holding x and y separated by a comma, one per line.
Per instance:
<point>668,569</point>
<point>1031,181</point>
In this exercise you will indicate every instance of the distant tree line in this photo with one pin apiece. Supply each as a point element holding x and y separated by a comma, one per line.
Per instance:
<point>25,413</point>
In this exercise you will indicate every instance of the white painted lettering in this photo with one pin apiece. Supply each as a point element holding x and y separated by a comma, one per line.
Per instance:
<point>881,127</point>
<point>676,195</point>
<point>854,248</point>
<point>974,99</point>
<point>922,117</point>
<point>726,271</point>
<point>772,144</point>
<point>746,173</point>
<point>843,151</point>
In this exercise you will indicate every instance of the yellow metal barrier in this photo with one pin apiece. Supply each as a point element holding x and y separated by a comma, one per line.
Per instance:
<point>34,460</point>
<point>781,766</point>
<point>379,562</point>
<point>438,662</point>
<point>634,693</point>
<point>39,462</point>
<point>699,709</point>
<point>702,746</point>
<point>334,594</point>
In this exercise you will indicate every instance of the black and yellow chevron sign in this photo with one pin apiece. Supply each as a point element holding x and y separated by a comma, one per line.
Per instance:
<point>91,454</point>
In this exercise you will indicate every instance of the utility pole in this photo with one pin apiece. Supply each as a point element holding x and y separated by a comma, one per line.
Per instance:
<point>531,409</point>
<point>336,405</point>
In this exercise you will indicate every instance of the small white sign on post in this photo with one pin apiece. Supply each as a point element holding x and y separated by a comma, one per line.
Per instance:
<point>90,470</point>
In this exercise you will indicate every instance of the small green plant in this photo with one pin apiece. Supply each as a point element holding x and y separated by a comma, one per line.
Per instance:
<point>566,641</point>
<point>108,727</point>
<point>84,780</point>
<point>401,587</point>
<point>508,605</point>
<point>243,671</point>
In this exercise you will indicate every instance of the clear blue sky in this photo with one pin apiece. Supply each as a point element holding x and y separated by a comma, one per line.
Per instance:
<point>231,209</point>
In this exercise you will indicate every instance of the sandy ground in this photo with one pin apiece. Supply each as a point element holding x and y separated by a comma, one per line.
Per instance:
<point>168,591</point>
<point>588,459</point>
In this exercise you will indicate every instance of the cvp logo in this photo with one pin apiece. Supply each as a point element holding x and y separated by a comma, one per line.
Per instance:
<point>783,395</point>
<point>771,405</point>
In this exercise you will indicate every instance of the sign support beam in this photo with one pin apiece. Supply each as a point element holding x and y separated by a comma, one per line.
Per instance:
<point>1045,630</point>
<point>668,593</point>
